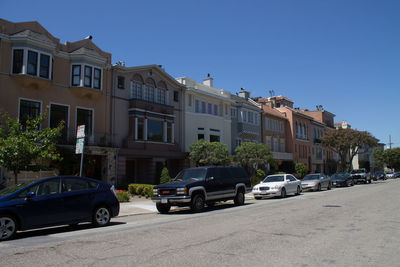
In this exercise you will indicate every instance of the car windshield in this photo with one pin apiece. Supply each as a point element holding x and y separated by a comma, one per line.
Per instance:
<point>191,174</point>
<point>337,177</point>
<point>311,177</point>
<point>357,171</point>
<point>275,178</point>
<point>14,188</point>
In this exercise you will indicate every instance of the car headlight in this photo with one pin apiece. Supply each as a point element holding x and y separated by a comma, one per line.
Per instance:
<point>181,191</point>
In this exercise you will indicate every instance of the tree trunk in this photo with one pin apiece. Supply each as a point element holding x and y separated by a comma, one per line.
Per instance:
<point>15,177</point>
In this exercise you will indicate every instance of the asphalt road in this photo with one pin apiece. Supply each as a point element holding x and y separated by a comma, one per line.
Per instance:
<point>356,226</point>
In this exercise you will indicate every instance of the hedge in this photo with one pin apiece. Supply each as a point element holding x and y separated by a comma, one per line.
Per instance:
<point>145,190</point>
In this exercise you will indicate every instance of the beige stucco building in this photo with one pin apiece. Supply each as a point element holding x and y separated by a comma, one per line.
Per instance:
<point>72,80</point>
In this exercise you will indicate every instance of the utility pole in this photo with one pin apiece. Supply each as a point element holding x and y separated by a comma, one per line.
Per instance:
<point>390,142</point>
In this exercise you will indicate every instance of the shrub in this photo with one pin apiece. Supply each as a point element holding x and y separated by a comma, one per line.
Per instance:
<point>164,178</point>
<point>141,189</point>
<point>301,170</point>
<point>122,196</point>
<point>257,177</point>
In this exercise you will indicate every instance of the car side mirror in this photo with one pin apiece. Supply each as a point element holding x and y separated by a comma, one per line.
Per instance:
<point>30,195</point>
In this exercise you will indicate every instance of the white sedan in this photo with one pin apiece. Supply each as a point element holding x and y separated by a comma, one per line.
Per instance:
<point>277,185</point>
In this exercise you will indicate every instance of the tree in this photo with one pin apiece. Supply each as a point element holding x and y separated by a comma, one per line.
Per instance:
<point>21,144</point>
<point>253,156</point>
<point>164,178</point>
<point>347,142</point>
<point>204,153</point>
<point>378,155</point>
<point>392,158</point>
<point>301,170</point>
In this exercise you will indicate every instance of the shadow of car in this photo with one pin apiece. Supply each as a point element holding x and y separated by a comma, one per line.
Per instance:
<point>60,200</point>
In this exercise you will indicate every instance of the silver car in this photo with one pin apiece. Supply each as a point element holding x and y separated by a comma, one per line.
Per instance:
<point>277,185</point>
<point>316,182</point>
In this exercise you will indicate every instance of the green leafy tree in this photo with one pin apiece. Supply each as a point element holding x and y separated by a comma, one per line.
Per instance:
<point>346,143</point>
<point>21,144</point>
<point>253,156</point>
<point>301,170</point>
<point>392,158</point>
<point>378,155</point>
<point>204,153</point>
<point>164,178</point>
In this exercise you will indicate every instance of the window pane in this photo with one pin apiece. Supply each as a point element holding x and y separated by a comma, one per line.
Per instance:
<point>139,91</point>
<point>151,94</point>
<point>88,76</point>
<point>97,79</point>
<point>73,184</point>
<point>214,138</point>
<point>154,130</point>
<point>28,110</point>
<point>209,108</point>
<point>59,113</point>
<point>44,66</point>
<point>140,129</point>
<point>18,60</point>
<point>215,110</point>
<point>169,132</point>
<point>32,62</point>
<point>76,75</point>
<point>85,117</point>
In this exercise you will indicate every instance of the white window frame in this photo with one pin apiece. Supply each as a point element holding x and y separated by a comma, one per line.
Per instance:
<point>82,77</point>
<point>25,62</point>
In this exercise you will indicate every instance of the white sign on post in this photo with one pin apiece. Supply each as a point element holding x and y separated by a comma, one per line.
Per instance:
<point>81,131</point>
<point>79,145</point>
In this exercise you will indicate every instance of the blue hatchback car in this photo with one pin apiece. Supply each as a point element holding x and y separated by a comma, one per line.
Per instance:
<point>56,201</point>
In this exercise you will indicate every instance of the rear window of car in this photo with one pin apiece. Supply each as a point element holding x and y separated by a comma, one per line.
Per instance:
<point>76,184</point>
<point>238,172</point>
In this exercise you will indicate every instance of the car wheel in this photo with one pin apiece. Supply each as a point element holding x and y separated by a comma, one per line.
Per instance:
<point>197,203</point>
<point>239,198</point>
<point>257,198</point>
<point>319,187</point>
<point>329,186</point>
<point>283,192</point>
<point>101,216</point>
<point>163,208</point>
<point>369,181</point>
<point>298,190</point>
<point>8,227</point>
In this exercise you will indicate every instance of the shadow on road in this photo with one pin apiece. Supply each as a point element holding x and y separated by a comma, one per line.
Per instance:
<point>217,206</point>
<point>59,229</point>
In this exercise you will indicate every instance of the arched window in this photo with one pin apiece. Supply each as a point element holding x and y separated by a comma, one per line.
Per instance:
<point>137,87</point>
<point>149,90</point>
<point>162,93</point>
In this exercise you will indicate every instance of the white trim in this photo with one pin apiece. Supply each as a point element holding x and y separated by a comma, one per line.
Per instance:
<point>69,115</point>
<point>76,118</point>
<point>28,99</point>
<point>82,76</point>
<point>25,62</point>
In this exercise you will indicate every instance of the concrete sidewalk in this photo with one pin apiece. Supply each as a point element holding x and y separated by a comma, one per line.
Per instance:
<point>145,206</point>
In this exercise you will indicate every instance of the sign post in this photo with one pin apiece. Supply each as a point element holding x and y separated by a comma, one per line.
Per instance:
<point>80,144</point>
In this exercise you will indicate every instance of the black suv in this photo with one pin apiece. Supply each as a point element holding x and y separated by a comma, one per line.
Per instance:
<point>196,187</point>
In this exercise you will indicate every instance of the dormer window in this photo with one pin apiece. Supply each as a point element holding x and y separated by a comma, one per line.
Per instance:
<point>83,75</point>
<point>34,63</point>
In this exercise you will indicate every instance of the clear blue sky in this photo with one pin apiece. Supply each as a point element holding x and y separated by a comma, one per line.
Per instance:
<point>342,54</point>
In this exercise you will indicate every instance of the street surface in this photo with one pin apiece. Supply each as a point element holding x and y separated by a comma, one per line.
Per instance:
<point>356,226</point>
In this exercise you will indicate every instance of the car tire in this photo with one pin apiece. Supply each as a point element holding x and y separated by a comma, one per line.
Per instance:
<point>8,227</point>
<point>329,186</point>
<point>197,204</point>
<point>319,187</point>
<point>163,208</point>
<point>283,192</point>
<point>101,216</point>
<point>239,198</point>
<point>257,198</point>
<point>298,191</point>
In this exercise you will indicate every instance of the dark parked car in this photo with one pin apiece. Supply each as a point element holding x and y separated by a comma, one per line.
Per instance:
<point>196,187</point>
<point>342,179</point>
<point>56,201</point>
<point>379,175</point>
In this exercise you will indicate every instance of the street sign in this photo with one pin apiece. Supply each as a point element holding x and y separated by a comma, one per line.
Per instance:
<point>81,131</point>
<point>79,145</point>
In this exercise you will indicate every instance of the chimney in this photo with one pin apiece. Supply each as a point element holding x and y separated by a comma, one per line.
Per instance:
<point>208,81</point>
<point>244,94</point>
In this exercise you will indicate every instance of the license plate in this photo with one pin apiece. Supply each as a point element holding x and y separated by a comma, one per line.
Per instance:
<point>164,200</point>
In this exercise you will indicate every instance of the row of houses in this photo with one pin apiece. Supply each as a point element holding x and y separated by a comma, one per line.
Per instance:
<point>139,119</point>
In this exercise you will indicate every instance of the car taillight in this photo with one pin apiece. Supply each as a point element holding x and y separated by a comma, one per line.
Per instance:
<point>113,190</point>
